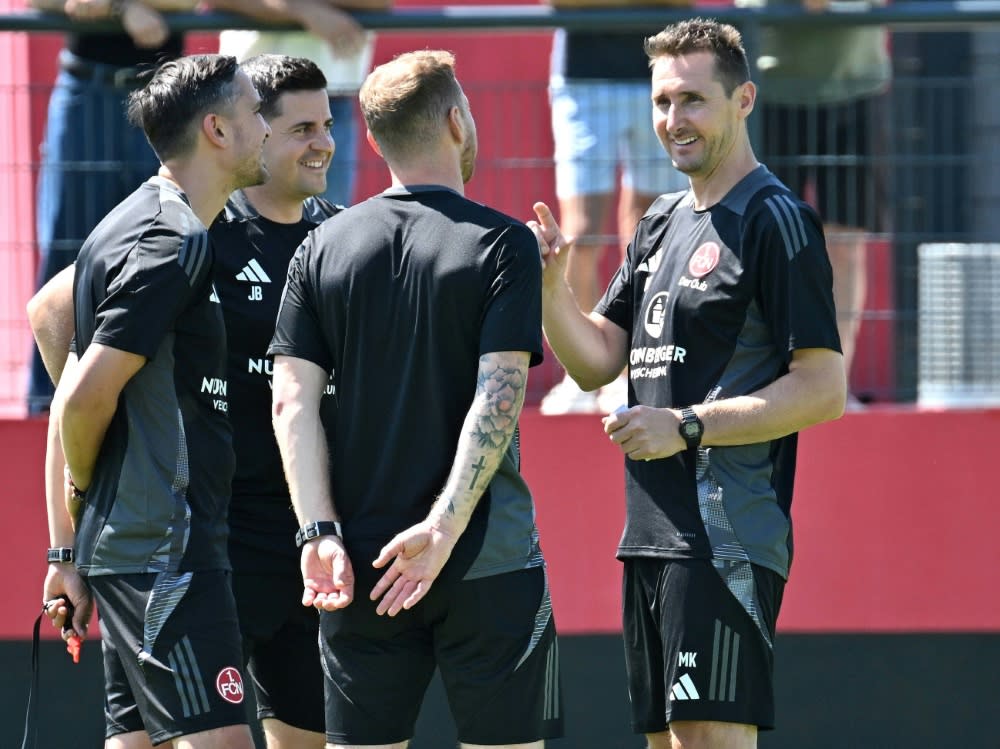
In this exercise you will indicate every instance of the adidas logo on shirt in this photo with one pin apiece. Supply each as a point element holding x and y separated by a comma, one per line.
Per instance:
<point>253,273</point>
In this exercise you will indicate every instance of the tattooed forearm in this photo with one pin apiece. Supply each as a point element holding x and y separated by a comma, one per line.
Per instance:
<point>477,469</point>
<point>490,425</point>
<point>503,389</point>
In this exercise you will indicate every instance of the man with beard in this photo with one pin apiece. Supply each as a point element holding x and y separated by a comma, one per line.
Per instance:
<point>254,239</point>
<point>417,531</point>
<point>140,416</point>
<point>723,313</point>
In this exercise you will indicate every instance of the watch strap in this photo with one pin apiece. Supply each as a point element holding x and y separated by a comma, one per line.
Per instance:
<point>309,531</point>
<point>689,417</point>
<point>60,555</point>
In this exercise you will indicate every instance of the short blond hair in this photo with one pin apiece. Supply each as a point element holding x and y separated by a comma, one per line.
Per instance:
<point>406,100</point>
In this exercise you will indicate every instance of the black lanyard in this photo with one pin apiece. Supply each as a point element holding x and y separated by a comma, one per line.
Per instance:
<point>30,724</point>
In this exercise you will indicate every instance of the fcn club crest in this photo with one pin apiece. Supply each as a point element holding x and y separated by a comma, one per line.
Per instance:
<point>704,260</point>
<point>229,685</point>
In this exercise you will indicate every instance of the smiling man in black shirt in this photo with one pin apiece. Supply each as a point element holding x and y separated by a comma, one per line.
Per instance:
<point>255,239</point>
<point>723,312</point>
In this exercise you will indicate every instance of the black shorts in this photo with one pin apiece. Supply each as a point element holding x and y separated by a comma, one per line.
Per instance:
<point>832,156</point>
<point>172,658</point>
<point>692,650</point>
<point>281,648</point>
<point>493,638</point>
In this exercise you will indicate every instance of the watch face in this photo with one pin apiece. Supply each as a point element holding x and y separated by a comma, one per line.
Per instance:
<point>691,428</point>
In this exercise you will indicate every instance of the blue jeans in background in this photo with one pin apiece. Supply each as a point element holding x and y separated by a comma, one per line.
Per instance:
<point>92,159</point>
<point>340,179</point>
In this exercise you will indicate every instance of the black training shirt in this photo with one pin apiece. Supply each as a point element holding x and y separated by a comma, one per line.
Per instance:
<point>715,302</point>
<point>252,256</point>
<point>161,482</point>
<point>400,296</point>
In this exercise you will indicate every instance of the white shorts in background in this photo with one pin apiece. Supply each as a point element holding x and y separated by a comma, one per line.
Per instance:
<point>599,126</point>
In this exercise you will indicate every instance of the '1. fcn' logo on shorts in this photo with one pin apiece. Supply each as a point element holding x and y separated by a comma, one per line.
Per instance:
<point>229,685</point>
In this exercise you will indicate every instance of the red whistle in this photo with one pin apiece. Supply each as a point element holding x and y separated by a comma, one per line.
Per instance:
<point>73,645</point>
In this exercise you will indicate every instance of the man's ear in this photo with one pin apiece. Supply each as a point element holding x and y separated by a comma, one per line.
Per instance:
<point>373,143</point>
<point>215,128</point>
<point>456,125</point>
<point>746,95</point>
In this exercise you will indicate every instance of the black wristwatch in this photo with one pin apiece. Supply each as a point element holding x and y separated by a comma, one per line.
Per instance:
<point>60,555</point>
<point>309,531</point>
<point>691,427</point>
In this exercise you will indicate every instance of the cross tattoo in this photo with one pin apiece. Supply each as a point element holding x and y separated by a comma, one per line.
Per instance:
<point>478,468</point>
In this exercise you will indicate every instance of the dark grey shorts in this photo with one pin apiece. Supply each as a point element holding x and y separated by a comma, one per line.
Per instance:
<point>172,659</point>
<point>693,651</point>
<point>281,648</point>
<point>493,638</point>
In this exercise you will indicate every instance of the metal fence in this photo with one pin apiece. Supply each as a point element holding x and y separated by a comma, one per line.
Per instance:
<point>942,158</point>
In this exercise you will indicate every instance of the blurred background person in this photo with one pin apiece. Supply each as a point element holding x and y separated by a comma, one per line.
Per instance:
<point>336,43</point>
<point>92,158</point>
<point>604,142</point>
<point>823,132</point>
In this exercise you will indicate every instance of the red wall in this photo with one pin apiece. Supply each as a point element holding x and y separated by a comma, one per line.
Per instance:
<point>894,511</point>
<point>894,518</point>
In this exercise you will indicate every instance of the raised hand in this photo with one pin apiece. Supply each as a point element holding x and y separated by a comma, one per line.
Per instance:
<point>145,25</point>
<point>339,29</point>
<point>552,245</point>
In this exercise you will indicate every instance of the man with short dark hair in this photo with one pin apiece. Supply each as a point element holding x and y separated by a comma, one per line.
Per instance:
<point>723,313</point>
<point>418,535</point>
<point>140,415</point>
<point>336,42</point>
<point>255,239</point>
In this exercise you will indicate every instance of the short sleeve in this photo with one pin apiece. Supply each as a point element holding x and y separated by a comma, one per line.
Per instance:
<point>298,331</point>
<point>160,277</point>
<point>616,304</point>
<point>795,280</point>
<point>641,255</point>
<point>512,317</point>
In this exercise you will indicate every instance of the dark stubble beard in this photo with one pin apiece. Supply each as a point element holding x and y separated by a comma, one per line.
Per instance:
<point>251,173</point>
